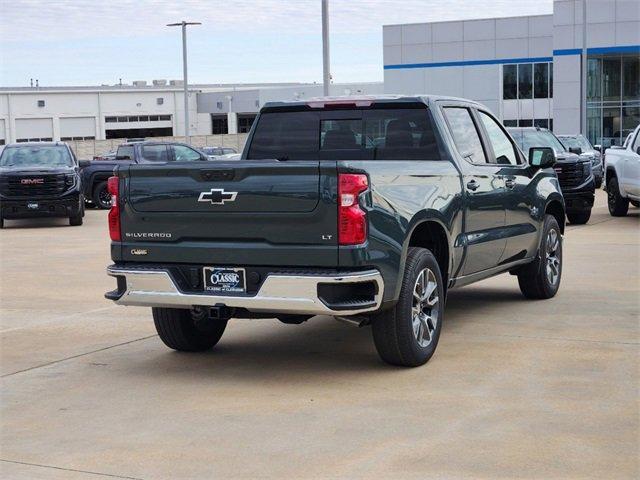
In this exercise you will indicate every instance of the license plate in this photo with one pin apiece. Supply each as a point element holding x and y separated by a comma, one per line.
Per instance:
<point>224,279</point>
<point>33,206</point>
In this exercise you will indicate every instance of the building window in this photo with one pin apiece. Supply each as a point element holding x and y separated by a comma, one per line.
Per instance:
<point>165,118</point>
<point>631,78</point>
<point>611,79</point>
<point>510,123</point>
<point>509,82</point>
<point>219,125</point>
<point>525,80</point>
<point>551,80</point>
<point>245,122</point>
<point>159,101</point>
<point>541,80</point>
<point>541,122</point>
<point>219,105</point>
<point>40,103</point>
<point>525,123</point>
<point>110,119</point>
<point>2,141</point>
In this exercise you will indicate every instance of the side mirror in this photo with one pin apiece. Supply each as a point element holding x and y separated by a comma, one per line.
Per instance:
<point>123,157</point>
<point>542,157</point>
<point>84,163</point>
<point>599,148</point>
<point>638,150</point>
<point>576,150</point>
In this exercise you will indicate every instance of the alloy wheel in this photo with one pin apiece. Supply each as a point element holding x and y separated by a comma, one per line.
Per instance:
<point>425,307</point>
<point>553,256</point>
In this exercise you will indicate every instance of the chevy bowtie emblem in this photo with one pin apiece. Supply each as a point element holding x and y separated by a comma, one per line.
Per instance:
<point>217,196</point>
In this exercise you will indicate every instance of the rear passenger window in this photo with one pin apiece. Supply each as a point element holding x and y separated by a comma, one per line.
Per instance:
<point>154,153</point>
<point>465,135</point>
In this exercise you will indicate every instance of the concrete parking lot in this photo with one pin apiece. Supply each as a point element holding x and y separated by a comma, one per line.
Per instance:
<point>517,388</point>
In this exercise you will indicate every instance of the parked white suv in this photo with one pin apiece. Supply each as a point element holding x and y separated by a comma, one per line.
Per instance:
<point>622,175</point>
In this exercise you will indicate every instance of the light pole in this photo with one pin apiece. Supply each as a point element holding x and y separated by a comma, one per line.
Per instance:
<point>184,24</point>
<point>326,74</point>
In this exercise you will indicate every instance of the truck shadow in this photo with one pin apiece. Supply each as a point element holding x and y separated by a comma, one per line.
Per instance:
<point>320,347</point>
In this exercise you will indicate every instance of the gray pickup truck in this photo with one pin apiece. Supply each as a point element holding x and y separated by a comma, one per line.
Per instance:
<point>367,209</point>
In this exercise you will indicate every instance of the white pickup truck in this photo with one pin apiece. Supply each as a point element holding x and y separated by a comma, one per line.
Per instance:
<point>622,175</point>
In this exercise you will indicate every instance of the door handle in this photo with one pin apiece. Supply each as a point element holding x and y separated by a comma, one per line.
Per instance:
<point>473,185</point>
<point>509,183</point>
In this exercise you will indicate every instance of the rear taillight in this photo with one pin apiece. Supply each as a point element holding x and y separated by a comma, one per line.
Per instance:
<point>114,213</point>
<point>352,220</point>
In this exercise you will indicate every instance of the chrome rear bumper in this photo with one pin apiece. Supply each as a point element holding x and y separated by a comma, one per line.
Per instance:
<point>279,293</point>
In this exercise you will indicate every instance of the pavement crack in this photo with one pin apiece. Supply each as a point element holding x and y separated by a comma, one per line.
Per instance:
<point>69,469</point>
<point>76,356</point>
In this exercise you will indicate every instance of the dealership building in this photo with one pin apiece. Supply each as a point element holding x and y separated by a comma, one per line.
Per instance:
<point>528,70</point>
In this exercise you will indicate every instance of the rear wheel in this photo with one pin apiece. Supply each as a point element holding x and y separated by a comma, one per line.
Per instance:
<point>618,205</point>
<point>541,278</point>
<point>101,196</point>
<point>407,334</point>
<point>187,330</point>
<point>579,218</point>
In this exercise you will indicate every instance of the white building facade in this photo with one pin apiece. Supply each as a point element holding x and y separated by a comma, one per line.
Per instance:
<point>528,70</point>
<point>132,111</point>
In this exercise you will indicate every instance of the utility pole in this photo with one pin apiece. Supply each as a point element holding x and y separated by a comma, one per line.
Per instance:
<point>583,73</point>
<point>185,83</point>
<point>326,74</point>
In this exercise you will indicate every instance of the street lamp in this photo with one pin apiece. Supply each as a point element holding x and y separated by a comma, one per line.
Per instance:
<point>326,74</point>
<point>184,24</point>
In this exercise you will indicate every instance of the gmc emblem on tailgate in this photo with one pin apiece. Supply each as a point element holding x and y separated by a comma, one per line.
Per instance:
<point>217,196</point>
<point>32,181</point>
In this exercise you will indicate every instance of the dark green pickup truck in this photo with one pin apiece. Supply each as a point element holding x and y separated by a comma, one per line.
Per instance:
<point>366,209</point>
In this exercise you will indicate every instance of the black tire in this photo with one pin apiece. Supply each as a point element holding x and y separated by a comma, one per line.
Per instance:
<point>393,329</point>
<point>533,279</point>
<point>579,218</point>
<point>180,330</point>
<point>76,220</point>
<point>101,197</point>
<point>618,205</point>
<point>598,183</point>
<point>1,222</point>
<point>635,203</point>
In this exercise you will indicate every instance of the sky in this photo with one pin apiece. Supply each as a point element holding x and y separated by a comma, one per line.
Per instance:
<point>94,42</point>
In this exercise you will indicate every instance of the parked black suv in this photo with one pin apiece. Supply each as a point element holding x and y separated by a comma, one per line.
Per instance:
<point>96,174</point>
<point>40,180</point>
<point>574,173</point>
<point>367,209</point>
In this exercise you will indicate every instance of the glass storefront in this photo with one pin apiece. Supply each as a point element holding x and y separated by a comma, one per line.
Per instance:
<point>613,97</point>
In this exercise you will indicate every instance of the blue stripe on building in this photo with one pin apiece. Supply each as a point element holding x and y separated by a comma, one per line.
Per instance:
<point>506,61</point>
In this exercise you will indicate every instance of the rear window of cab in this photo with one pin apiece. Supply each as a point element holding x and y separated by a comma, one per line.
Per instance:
<point>372,134</point>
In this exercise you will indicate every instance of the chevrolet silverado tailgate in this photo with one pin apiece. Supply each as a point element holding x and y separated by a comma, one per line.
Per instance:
<point>259,212</point>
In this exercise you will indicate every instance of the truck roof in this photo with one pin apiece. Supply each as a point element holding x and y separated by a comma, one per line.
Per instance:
<point>364,100</point>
